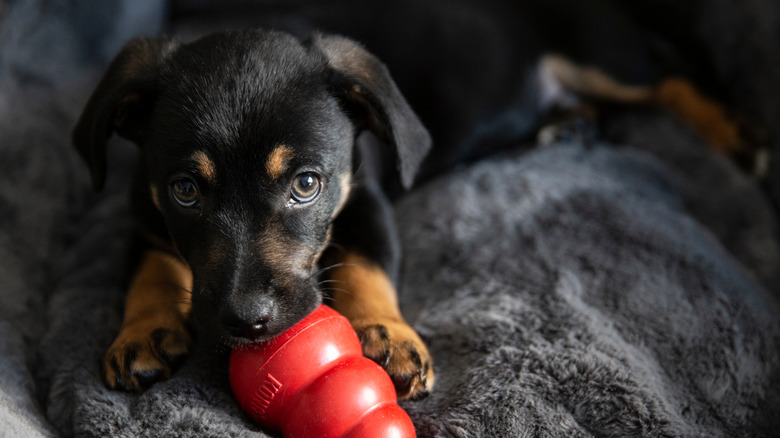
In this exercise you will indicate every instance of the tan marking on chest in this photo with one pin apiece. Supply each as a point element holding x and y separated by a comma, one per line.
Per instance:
<point>278,161</point>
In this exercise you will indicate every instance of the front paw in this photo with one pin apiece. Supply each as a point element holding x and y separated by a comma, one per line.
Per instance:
<point>399,349</point>
<point>145,352</point>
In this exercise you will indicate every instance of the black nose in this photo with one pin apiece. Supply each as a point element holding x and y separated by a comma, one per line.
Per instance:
<point>247,325</point>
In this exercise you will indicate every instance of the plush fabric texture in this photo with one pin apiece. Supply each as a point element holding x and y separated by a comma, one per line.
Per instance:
<point>568,293</point>
<point>625,289</point>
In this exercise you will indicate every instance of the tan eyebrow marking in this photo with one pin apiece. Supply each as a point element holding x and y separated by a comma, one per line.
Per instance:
<point>205,166</point>
<point>278,161</point>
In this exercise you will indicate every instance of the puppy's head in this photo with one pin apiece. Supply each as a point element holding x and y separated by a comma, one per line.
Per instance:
<point>247,143</point>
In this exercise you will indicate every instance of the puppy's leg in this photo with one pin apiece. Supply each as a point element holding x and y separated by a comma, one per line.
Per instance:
<point>368,299</point>
<point>154,336</point>
<point>360,282</point>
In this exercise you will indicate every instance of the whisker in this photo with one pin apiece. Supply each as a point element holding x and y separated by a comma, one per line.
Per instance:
<point>177,301</point>
<point>336,246</point>
<point>334,266</point>
<point>356,174</point>
<point>167,283</point>
<point>321,282</point>
<point>328,292</point>
<point>224,342</point>
<point>173,302</point>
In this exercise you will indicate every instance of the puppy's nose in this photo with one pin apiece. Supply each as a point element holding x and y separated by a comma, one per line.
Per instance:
<point>244,326</point>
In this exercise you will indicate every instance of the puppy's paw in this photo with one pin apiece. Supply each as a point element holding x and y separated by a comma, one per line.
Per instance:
<point>399,349</point>
<point>145,352</point>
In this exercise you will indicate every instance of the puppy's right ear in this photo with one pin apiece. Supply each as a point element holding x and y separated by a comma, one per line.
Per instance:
<point>121,102</point>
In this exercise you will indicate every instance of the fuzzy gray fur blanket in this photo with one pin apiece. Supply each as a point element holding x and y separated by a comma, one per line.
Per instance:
<point>570,291</point>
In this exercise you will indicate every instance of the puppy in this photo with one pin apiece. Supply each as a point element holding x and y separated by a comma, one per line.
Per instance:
<point>252,197</point>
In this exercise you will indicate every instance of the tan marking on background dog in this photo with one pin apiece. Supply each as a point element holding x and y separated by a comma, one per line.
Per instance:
<point>206,166</point>
<point>278,161</point>
<point>592,82</point>
<point>707,116</point>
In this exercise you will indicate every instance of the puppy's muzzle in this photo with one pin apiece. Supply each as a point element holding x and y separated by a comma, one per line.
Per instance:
<point>248,316</point>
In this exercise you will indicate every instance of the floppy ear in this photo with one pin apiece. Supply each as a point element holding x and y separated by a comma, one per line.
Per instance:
<point>366,81</point>
<point>121,102</point>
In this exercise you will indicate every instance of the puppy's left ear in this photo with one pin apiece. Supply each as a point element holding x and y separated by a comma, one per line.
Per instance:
<point>121,102</point>
<point>366,81</point>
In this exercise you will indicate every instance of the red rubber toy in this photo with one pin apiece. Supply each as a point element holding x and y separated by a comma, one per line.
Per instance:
<point>312,381</point>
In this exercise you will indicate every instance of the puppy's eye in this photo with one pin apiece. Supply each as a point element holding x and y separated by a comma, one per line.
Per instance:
<point>305,187</point>
<point>185,192</point>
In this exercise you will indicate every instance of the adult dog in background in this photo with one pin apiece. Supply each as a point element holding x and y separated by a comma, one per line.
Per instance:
<point>257,196</point>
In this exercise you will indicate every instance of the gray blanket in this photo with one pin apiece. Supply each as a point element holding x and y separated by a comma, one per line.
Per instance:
<point>574,290</point>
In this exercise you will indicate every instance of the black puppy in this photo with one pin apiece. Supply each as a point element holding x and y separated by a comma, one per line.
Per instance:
<point>253,197</point>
